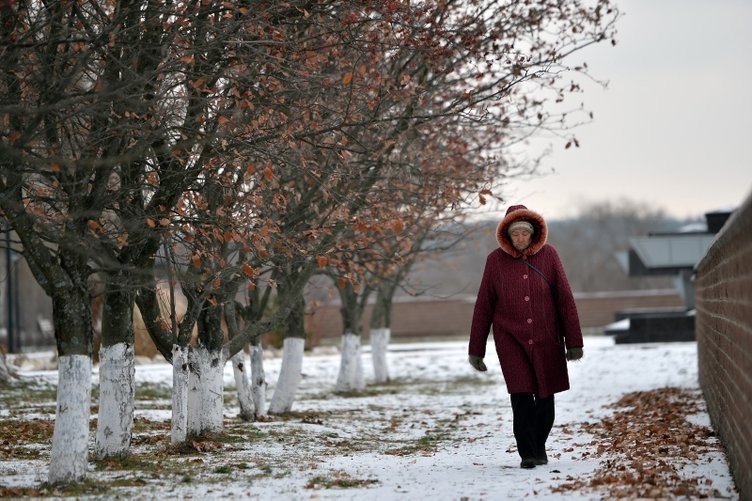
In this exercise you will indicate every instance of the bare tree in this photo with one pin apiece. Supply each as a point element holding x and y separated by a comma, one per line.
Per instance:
<point>121,119</point>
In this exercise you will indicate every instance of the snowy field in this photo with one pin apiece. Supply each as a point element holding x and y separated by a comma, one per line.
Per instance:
<point>439,430</point>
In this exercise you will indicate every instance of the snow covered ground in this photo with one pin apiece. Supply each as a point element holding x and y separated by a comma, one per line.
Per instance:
<point>439,430</point>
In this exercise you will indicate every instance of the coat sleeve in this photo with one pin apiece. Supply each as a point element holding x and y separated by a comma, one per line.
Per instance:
<point>483,312</point>
<point>566,308</point>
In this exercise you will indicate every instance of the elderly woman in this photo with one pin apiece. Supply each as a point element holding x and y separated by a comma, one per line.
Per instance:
<point>525,296</point>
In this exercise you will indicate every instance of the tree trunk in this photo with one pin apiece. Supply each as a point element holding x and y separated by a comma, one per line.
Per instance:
<point>350,376</point>
<point>70,439</point>
<point>289,375</point>
<point>116,372</point>
<point>381,332</point>
<point>212,398</point>
<point>206,364</point>
<point>293,329</point>
<point>179,394</point>
<point>258,379</point>
<point>116,394</point>
<point>239,368</point>
<point>243,387</point>
<point>205,391</point>
<point>69,455</point>
<point>379,344</point>
<point>195,368</point>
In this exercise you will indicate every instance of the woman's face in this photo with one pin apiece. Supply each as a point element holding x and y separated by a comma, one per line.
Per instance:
<point>520,239</point>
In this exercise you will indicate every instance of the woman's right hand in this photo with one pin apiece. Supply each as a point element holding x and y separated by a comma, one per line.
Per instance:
<point>477,363</point>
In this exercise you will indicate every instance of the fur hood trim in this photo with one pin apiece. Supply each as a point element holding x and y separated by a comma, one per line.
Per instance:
<point>516,213</point>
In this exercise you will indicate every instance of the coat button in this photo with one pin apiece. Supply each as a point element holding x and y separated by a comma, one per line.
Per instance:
<point>530,341</point>
<point>530,320</point>
<point>527,298</point>
<point>524,276</point>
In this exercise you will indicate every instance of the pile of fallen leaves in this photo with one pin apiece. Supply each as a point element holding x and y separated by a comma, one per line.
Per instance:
<point>17,436</point>
<point>645,444</point>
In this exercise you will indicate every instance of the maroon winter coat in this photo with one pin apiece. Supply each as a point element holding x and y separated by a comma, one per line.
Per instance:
<point>533,322</point>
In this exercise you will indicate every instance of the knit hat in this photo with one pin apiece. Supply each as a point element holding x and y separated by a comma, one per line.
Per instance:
<point>521,225</point>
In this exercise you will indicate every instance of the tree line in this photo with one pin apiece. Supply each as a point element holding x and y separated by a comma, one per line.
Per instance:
<point>233,150</point>
<point>588,243</point>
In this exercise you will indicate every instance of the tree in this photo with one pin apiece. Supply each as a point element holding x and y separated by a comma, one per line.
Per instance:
<point>119,120</point>
<point>42,198</point>
<point>472,108</point>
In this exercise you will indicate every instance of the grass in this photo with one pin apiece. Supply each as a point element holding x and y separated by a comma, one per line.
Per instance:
<point>26,393</point>
<point>153,391</point>
<point>276,447</point>
<point>338,480</point>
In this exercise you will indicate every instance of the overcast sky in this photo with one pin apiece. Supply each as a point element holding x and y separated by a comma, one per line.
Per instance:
<point>673,127</point>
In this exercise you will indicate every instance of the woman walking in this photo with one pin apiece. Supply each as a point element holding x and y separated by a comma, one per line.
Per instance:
<point>525,296</point>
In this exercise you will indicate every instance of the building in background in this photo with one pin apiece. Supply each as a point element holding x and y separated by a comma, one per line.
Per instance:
<point>674,254</point>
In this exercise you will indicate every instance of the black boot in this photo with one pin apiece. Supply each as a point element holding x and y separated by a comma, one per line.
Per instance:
<point>544,421</point>
<point>523,414</point>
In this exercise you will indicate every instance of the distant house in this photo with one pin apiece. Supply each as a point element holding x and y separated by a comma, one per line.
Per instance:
<point>674,254</point>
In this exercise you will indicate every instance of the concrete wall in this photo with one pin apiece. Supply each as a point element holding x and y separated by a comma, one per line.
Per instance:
<point>723,293</point>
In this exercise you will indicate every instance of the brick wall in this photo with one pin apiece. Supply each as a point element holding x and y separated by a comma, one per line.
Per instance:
<point>597,309</point>
<point>418,317</point>
<point>723,293</point>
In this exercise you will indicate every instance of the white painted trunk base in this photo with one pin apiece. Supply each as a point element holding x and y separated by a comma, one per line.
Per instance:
<point>350,376</point>
<point>193,423</point>
<point>258,380</point>
<point>243,387</point>
<point>69,456</point>
<point>179,394</point>
<point>205,391</point>
<point>116,395</point>
<point>290,373</point>
<point>379,345</point>
<point>213,395</point>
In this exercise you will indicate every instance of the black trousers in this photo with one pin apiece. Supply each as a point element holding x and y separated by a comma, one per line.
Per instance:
<point>533,419</point>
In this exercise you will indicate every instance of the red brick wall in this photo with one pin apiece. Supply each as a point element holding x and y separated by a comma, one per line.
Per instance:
<point>723,294</point>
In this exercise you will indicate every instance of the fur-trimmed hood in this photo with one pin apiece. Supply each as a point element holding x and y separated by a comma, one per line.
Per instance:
<point>517,213</point>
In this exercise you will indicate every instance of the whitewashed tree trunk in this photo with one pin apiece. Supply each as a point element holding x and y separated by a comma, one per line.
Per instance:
<point>379,344</point>
<point>116,395</point>
<point>290,374</point>
<point>350,376</point>
<point>213,394</point>
<point>195,370</point>
<point>243,387</point>
<point>205,391</point>
<point>70,440</point>
<point>180,377</point>
<point>258,380</point>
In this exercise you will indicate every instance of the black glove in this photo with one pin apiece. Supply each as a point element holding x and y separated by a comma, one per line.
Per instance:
<point>574,353</point>
<point>477,363</point>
